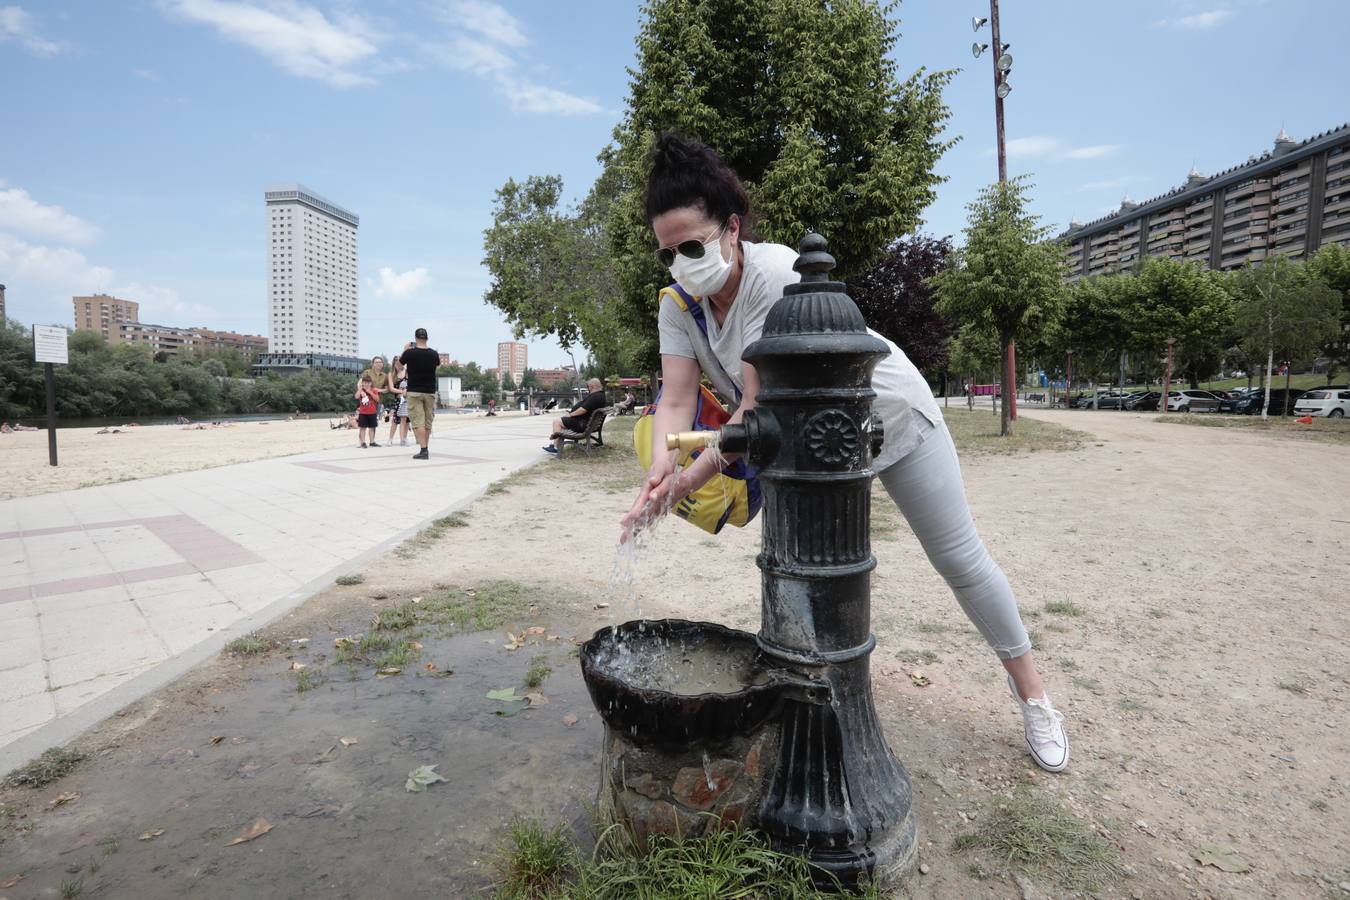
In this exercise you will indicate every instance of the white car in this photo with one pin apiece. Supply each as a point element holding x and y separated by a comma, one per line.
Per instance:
<point>1180,401</point>
<point>1333,404</point>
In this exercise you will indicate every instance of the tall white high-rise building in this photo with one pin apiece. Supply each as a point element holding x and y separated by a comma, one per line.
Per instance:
<point>311,273</point>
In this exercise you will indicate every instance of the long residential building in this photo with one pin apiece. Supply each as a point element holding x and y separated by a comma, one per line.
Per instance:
<point>1290,200</point>
<point>105,314</point>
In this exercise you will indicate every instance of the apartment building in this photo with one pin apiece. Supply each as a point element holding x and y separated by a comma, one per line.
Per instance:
<point>159,338</point>
<point>311,274</point>
<point>512,359</point>
<point>249,345</point>
<point>1291,200</point>
<point>105,314</point>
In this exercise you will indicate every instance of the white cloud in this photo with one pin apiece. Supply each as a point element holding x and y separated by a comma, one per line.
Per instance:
<point>490,20</point>
<point>51,267</point>
<point>487,54</point>
<point>1094,151</point>
<point>297,38</point>
<point>147,74</point>
<point>399,284</point>
<point>20,213</point>
<point>1043,147</point>
<point>1197,21</point>
<point>17,24</point>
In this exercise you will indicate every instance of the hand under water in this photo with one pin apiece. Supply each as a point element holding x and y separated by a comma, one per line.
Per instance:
<point>658,492</point>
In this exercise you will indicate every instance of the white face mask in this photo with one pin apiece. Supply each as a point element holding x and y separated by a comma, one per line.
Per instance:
<point>705,275</point>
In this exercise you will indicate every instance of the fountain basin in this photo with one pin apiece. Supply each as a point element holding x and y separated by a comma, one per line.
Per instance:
<point>673,683</point>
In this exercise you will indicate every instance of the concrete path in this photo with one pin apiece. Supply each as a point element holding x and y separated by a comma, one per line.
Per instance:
<point>108,592</point>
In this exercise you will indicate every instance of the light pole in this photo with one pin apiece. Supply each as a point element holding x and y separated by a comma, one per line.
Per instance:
<point>1167,379</point>
<point>1068,381</point>
<point>1002,66</point>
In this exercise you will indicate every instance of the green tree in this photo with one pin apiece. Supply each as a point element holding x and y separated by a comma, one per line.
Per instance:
<point>529,380</point>
<point>1094,324</point>
<point>1281,306</point>
<point>1183,301</point>
<point>1331,266</point>
<point>803,100</point>
<point>508,383</point>
<point>1007,277</point>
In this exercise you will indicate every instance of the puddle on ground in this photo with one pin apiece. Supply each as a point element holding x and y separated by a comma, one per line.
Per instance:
<point>343,824</point>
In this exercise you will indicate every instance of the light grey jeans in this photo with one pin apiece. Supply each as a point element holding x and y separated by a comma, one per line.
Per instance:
<point>926,485</point>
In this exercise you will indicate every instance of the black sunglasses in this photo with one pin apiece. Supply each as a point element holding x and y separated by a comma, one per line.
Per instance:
<point>692,248</point>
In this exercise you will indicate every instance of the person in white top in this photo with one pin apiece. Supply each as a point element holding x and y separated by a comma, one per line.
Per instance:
<point>697,208</point>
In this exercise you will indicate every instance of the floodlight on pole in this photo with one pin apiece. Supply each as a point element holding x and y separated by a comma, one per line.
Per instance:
<point>1003,90</point>
<point>1005,62</point>
<point>976,22</point>
<point>977,48</point>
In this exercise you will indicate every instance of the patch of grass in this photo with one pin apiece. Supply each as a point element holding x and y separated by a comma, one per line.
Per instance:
<point>539,670</point>
<point>1063,608</point>
<point>1129,704</point>
<point>1037,639</point>
<point>926,657</point>
<point>1327,431</point>
<point>487,606</point>
<point>402,616</point>
<point>431,534</point>
<point>72,889</point>
<point>497,487</point>
<point>110,844</point>
<point>1087,684</point>
<point>249,645</point>
<point>932,627</point>
<point>542,864</point>
<point>1056,626</point>
<point>1067,663</point>
<point>403,653</point>
<point>1293,687</point>
<point>308,679</point>
<point>54,764</point>
<point>348,580</point>
<point>1034,833</point>
<point>977,432</point>
<point>1318,804</point>
<point>1157,613</point>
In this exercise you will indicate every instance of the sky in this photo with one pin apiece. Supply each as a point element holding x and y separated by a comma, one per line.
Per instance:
<point>139,135</point>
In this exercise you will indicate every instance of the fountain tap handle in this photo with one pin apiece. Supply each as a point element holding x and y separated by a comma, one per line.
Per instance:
<point>877,433</point>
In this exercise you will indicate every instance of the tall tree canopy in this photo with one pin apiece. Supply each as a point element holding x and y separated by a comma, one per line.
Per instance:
<point>1007,278</point>
<point>803,100</point>
<point>1331,266</point>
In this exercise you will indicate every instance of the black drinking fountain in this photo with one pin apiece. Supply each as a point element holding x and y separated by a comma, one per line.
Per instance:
<point>776,731</point>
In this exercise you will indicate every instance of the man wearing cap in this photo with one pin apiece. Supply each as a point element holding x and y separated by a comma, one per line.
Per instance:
<point>421,361</point>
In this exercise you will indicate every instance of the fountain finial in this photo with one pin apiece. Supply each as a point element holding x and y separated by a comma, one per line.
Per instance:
<point>814,261</point>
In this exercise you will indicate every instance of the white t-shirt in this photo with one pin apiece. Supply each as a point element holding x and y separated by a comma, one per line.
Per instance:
<point>902,392</point>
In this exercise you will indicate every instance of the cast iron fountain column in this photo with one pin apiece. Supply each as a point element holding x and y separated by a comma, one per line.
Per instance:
<point>837,791</point>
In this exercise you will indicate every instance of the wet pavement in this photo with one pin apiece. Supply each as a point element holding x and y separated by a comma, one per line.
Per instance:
<point>326,768</point>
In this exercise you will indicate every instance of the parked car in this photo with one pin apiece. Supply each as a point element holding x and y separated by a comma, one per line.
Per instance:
<point>1323,402</point>
<point>1182,401</point>
<point>1105,400</point>
<point>1144,402</point>
<point>1281,402</point>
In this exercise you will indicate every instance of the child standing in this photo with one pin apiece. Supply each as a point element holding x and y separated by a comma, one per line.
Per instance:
<point>367,402</point>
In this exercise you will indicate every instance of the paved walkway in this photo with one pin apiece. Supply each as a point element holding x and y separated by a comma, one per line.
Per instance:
<point>108,592</point>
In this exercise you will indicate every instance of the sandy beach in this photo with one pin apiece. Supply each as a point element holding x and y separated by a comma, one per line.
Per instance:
<point>87,458</point>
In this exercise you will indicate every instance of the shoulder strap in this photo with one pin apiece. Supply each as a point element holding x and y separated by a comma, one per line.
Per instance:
<point>698,336</point>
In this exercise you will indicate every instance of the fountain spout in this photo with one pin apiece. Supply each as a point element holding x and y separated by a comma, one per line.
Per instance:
<point>758,437</point>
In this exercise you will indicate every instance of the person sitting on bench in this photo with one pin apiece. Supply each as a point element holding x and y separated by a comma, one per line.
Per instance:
<point>576,420</point>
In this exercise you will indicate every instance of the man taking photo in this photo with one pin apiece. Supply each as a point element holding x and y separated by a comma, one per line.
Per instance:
<point>421,362</point>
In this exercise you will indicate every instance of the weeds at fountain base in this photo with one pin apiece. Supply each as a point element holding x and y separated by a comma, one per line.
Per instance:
<point>541,863</point>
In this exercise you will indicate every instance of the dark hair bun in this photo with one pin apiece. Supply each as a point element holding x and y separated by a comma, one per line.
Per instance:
<point>687,172</point>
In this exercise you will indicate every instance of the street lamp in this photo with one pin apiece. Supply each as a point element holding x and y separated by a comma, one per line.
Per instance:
<point>1167,379</point>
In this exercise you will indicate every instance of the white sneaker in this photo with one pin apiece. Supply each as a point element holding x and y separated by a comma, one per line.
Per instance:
<point>1046,740</point>
<point>403,443</point>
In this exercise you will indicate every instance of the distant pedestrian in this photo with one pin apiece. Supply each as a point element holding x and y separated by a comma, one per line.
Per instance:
<point>580,416</point>
<point>398,410</point>
<point>367,406</point>
<point>421,362</point>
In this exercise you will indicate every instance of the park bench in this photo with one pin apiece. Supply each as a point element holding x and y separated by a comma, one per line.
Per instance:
<point>591,435</point>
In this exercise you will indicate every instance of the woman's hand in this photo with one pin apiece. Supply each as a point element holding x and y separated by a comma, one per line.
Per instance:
<point>662,481</point>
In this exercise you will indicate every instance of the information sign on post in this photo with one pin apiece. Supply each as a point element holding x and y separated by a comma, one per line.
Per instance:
<point>50,347</point>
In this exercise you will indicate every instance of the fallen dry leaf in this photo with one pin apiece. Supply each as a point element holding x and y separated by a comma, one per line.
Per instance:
<point>347,742</point>
<point>388,670</point>
<point>1221,856</point>
<point>537,699</point>
<point>602,606</point>
<point>551,637</point>
<point>299,640</point>
<point>416,600</point>
<point>919,679</point>
<point>256,830</point>
<point>296,666</point>
<point>416,645</point>
<point>10,882</point>
<point>216,739</point>
<point>569,720</point>
<point>535,629</point>
<point>65,797</point>
<point>513,642</point>
<point>150,835</point>
<point>420,777</point>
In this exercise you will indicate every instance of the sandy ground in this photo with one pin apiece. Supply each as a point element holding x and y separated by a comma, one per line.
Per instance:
<point>1205,682</point>
<point>87,458</point>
